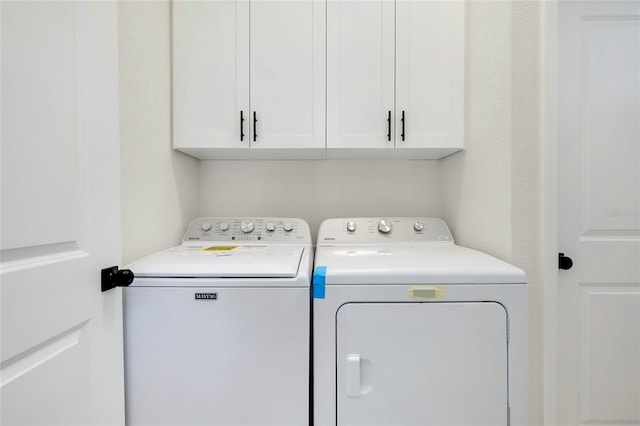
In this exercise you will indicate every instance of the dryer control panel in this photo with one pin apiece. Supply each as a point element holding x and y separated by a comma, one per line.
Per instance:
<point>249,230</point>
<point>385,230</point>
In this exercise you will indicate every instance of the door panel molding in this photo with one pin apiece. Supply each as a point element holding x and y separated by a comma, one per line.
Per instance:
<point>33,358</point>
<point>610,377</point>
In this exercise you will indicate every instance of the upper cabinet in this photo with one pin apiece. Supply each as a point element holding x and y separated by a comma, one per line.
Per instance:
<point>249,78</point>
<point>395,78</point>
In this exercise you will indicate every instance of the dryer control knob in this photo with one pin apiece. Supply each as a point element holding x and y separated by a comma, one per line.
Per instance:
<point>205,226</point>
<point>351,226</point>
<point>246,226</point>
<point>288,227</point>
<point>384,226</point>
<point>270,226</point>
<point>224,226</point>
<point>418,226</point>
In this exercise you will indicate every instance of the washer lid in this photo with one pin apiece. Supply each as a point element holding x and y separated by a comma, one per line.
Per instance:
<point>413,264</point>
<point>222,261</point>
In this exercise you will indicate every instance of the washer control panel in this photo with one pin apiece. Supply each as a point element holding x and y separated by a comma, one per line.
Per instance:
<point>248,229</point>
<point>384,229</point>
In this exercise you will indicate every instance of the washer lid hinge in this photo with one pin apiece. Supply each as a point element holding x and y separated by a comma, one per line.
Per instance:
<point>508,415</point>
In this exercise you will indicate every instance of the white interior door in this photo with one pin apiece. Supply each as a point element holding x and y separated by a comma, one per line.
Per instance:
<point>61,355</point>
<point>287,74</point>
<point>428,364</point>
<point>360,74</point>
<point>598,346</point>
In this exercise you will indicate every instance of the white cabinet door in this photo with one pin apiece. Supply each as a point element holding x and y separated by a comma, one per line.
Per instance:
<point>429,74</point>
<point>288,74</point>
<point>395,78</point>
<point>210,74</point>
<point>248,74</point>
<point>429,364</point>
<point>360,74</point>
<point>61,360</point>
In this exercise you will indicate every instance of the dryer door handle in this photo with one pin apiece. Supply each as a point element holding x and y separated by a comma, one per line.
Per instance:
<point>353,375</point>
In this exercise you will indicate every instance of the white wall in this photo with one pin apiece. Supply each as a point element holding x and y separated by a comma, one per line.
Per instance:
<point>317,190</point>
<point>159,185</point>
<point>491,193</point>
<point>526,182</point>
<point>476,183</point>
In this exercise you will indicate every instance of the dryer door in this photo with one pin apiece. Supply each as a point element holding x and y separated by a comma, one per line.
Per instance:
<point>437,363</point>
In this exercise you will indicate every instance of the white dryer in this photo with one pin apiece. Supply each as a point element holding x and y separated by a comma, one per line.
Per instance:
<point>412,329</point>
<point>217,330</point>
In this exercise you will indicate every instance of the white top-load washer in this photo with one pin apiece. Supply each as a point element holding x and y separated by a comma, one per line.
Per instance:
<point>217,330</point>
<point>411,329</point>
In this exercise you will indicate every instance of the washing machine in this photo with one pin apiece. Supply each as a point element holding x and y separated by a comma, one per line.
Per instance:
<point>411,329</point>
<point>217,329</point>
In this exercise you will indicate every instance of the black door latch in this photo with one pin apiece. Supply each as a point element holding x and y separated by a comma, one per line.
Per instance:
<point>564,262</point>
<point>113,277</point>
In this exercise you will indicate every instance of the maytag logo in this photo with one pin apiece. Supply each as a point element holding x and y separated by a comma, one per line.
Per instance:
<point>206,296</point>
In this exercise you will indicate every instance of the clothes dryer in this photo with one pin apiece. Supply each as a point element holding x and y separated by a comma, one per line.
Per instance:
<point>217,330</point>
<point>412,329</point>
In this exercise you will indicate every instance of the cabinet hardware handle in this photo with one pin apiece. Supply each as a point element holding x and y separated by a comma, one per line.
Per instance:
<point>241,126</point>
<point>255,132</point>
<point>389,126</point>
<point>402,121</point>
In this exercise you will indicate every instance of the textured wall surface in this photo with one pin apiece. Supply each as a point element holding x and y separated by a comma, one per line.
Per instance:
<point>317,190</point>
<point>491,194</point>
<point>476,183</point>
<point>159,185</point>
<point>526,189</point>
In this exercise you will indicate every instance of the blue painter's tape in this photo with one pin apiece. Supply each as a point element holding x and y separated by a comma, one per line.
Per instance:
<point>319,277</point>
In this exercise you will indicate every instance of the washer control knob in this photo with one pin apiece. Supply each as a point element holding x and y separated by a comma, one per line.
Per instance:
<point>351,226</point>
<point>384,226</point>
<point>224,226</point>
<point>288,227</point>
<point>246,226</point>
<point>418,226</point>
<point>205,226</point>
<point>270,226</point>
